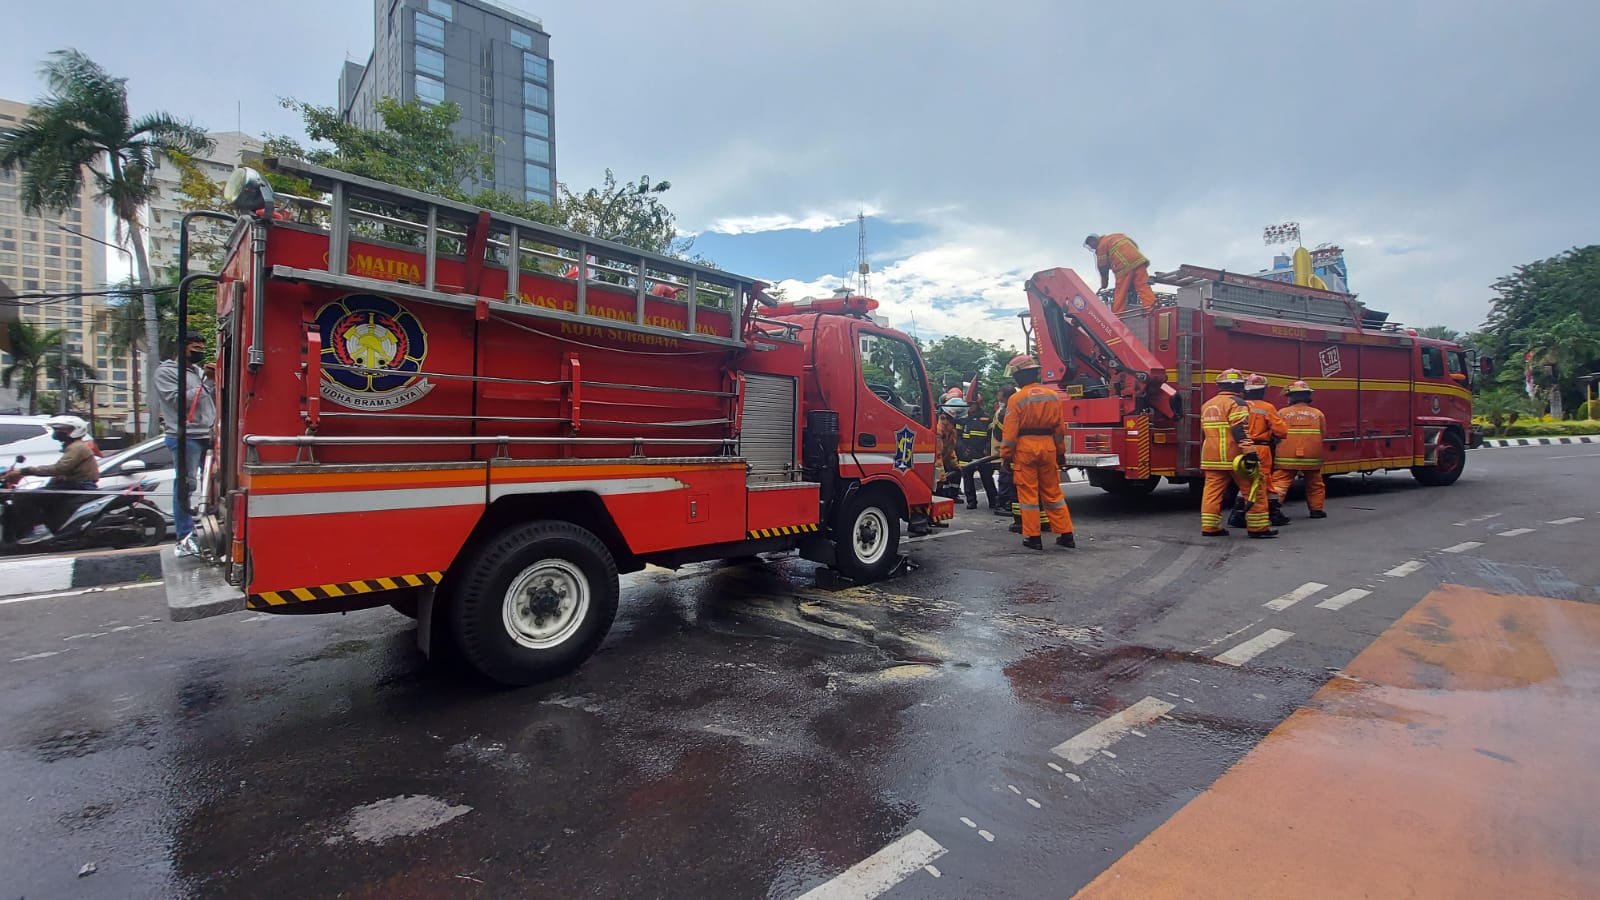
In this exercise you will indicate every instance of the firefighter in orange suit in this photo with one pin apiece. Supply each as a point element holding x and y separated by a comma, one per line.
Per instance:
<point>1118,253</point>
<point>1228,456</point>
<point>1034,443</point>
<point>1267,429</point>
<point>945,435</point>
<point>1301,452</point>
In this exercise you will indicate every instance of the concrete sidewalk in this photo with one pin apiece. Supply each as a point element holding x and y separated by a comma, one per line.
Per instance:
<point>60,572</point>
<point>1541,441</point>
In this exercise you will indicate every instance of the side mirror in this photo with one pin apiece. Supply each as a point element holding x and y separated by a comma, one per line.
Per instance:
<point>133,465</point>
<point>1458,377</point>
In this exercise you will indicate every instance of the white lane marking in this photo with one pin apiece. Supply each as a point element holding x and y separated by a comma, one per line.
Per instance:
<point>1295,596</point>
<point>1014,790</point>
<point>92,590</point>
<point>1074,778</point>
<point>1254,647</point>
<point>1234,633</point>
<point>1574,455</point>
<point>968,822</point>
<point>880,871</point>
<point>1135,732</point>
<point>1033,803</point>
<point>1404,569</point>
<point>1567,521</point>
<point>1108,754</point>
<point>940,534</point>
<point>1081,747</point>
<point>986,835</point>
<point>1515,532</point>
<point>1483,518</point>
<point>1340,601</point>
<point>1463,547</point>
<point>45,655</point>
<point>1057,768</point>
<point>931,870</point>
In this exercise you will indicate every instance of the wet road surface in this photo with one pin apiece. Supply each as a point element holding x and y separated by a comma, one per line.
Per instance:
<point>998,722</point>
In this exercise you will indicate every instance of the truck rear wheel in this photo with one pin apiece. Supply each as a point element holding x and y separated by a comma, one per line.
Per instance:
<point>1449,460</point>
<point>1120,485</point>
<point>534,602</point>
<point>868,539</point>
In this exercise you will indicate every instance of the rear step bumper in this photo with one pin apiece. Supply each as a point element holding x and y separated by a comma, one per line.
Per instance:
<point>197,589</point>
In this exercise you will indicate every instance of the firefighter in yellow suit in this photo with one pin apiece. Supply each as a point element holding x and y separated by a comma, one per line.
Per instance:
<point>1229,455</point>
<point>1301,453</point>
<point>1034,443</point>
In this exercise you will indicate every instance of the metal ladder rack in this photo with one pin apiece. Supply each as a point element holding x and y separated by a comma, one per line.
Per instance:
<point>386,214</point>
<point>1221,291</point>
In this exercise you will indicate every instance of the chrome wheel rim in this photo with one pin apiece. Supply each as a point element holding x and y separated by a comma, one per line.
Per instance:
<point>870,535</point>
<point>545,604</point>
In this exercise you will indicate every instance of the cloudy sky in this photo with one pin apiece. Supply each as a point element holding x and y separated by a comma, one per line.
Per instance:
<point>1441,143</point>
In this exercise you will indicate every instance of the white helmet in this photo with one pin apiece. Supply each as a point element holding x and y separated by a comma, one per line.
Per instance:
<point>955,407</point>
<point>77,427</point>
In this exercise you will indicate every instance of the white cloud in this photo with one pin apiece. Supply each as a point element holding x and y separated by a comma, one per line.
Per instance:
<point>810,221</point>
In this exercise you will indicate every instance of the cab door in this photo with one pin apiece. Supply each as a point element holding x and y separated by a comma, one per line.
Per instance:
<point>893,428</point>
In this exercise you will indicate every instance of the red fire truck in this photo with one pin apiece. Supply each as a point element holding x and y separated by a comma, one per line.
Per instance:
<point>1133,385</point>
<point>482,420</point>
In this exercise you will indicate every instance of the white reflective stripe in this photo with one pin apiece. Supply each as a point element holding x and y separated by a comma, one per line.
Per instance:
<point>594,486</point>
<point>266,506</point>
<point>877,459</point>
<point>924,457</point>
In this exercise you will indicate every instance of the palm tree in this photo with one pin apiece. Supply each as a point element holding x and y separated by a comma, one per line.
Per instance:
<point>1441,333</point>
<point>34,352</point>
<point>83,125</point>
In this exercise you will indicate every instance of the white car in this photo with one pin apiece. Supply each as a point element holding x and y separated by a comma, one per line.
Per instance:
<point>148,460</point>
<point>27,436</point>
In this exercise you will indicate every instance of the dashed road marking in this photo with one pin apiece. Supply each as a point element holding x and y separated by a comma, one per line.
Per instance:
<point>1033,803</point>
<point>937,534</point>
<point>880,871</point>
<point>931,869</point>
<point>1516,532</point>
<point>1254,647</point>
<point>81,591</point>
<point>1057,768</point>
<point>968,822</point>
<point>1404,569</point>
<point>1569,520</point>
<point>1483,518</point>
<point>45,655</point>
<point>986,835</point>
<point>1082,747</point>
<point>1341,600</point>
<point>1278,604</point>
<point>1463,547</point>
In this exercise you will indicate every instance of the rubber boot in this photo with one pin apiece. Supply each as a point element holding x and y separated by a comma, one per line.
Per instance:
<point>1318,514</point>
<point>1221,532</point>
<point>1263,535</point>
<point>1016,525</point>
<point>1033,543</point>
<point>1236,520</point>
<point>1275,513</point>
<point>1065,540</point>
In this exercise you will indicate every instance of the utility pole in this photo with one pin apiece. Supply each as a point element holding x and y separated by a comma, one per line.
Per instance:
<point>61,404</point>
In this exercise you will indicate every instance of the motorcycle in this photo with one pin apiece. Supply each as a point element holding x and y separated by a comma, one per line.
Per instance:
<point>116,519</point>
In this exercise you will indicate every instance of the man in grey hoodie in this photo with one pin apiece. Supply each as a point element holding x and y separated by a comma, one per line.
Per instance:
<point>198,411</point>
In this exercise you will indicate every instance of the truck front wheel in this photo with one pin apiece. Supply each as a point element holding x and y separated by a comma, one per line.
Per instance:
<point>534,602</point>
<point>868,540</point>
<point>1450,458</point>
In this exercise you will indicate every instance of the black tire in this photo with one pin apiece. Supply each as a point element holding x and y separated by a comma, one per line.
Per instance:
<point>548,565</point>
<point>145,528</point>
<point>867,536</point>
<point>1122,486</point>
<point>1450,459</point>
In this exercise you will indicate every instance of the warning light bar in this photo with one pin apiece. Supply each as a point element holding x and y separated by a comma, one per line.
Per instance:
<point>840,306</point>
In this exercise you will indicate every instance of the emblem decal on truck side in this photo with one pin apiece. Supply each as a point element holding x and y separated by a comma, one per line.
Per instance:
<point>1329,357</point>
<point>372,351</point>
<point>904,444</point>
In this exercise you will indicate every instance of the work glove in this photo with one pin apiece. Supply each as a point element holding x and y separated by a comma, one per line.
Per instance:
<point>1254,457</point>
<point>1061,460</point>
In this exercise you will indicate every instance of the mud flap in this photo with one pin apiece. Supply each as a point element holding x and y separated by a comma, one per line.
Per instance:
<point>425,608</point>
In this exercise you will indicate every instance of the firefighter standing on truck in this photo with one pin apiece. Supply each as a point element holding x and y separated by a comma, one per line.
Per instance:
<point>1267,429</point>
<point>1035,446</point>
<point>1118,253</point>
<point>1301,452</point>
<point>1229,456</point>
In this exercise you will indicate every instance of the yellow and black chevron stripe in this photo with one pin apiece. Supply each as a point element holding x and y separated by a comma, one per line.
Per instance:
<point>780,531</point>
<point>269,599</point>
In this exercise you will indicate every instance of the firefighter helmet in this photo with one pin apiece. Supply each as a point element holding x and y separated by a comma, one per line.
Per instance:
<point>1255,386</point>
<point>1231,380</point>
<point>1020,362</point>
<point>954,407</point>
<point>951,392</point>
<point>1299,392</point>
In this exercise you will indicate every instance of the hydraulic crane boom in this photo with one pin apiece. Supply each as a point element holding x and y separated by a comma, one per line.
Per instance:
<point>1067,314</point>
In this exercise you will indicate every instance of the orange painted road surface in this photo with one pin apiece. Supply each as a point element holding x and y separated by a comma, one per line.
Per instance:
<point>1459,757</point>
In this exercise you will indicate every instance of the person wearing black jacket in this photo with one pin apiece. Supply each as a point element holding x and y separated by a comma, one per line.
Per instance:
<point>973,450</point>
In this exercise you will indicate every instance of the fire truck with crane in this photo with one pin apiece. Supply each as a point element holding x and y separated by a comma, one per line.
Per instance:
<point>1132,385</point>
<point>481,420</point>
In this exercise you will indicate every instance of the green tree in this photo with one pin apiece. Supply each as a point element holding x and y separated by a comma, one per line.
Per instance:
<point>953,359</point>
<point>630,213</point>
<point>1545,308</point>
<point>1441,333</point>
<point>36,352</point>
<point>83,126</point>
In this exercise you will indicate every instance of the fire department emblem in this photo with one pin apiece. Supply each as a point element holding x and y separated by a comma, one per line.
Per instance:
<point>372,351</point>
<point>1329,357</point>
<point>1078,303</point>
<point>904,444</point>
<point>1433,403</point>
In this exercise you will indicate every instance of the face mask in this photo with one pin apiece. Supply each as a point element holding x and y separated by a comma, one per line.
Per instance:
<point>197,356</point>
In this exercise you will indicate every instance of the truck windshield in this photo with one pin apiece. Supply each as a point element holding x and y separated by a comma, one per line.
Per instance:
<point>889,367</point>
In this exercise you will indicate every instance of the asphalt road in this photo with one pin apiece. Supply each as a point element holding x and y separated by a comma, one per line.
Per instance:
<point>998,722</point>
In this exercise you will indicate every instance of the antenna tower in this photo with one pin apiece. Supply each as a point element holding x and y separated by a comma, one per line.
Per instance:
<point>863,271</point>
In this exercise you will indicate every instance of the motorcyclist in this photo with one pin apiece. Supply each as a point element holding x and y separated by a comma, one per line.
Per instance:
<point>76,470</point>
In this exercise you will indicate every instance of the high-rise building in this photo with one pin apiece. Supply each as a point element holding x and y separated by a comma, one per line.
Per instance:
<point>60,255</point>
<point>166,210</point>
<point>485,56</point>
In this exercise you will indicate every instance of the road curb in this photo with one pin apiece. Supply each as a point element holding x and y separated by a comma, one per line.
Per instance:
<point>61,573</point>
<point>1540,441</point>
